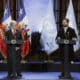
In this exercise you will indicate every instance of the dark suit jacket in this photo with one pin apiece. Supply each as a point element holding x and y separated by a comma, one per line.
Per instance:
<point>69,34</point>
<point>11,48</point>
<point>10,36</point>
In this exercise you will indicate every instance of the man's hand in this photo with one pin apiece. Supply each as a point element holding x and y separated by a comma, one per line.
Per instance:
<point>58,38</point>
<point>75,39</point>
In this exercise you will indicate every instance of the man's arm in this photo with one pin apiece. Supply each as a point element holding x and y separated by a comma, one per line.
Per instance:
<point>58,35</point>
<point>74,36</point>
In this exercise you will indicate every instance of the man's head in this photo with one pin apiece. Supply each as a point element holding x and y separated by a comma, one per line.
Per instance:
<point>65,22</point>
<point>13,25</point>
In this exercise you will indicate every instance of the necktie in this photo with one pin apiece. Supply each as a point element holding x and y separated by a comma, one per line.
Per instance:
<point>14,34</point>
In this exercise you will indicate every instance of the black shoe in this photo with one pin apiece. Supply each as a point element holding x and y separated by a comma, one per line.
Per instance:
<point>14,76</point>
<point>9,76</point>
<point>62,76</point>
<point>19,75</point>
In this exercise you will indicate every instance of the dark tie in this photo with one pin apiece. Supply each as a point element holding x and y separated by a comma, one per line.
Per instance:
<point>14,34</point>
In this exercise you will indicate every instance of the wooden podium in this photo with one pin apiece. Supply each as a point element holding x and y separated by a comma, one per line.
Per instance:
<point>13,44</point>
<point>66,63</point>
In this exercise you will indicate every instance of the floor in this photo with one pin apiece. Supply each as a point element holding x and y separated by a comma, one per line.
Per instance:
<point>40,76</point>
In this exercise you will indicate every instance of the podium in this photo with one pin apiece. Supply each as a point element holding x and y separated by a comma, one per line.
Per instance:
<point>13,44</point>
<point>66,64</point>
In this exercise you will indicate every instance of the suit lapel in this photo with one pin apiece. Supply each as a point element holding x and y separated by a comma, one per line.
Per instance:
<point>11,35</point>
<point>65,34</point>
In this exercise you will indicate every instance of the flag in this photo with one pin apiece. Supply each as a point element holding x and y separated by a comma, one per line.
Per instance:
<point>72,21</point>
<point>23,21</point>
<point>22,18</point>
<point>49,30</point>
<point>7,15</point>
<point>3,46</point>
<point>6,19</point>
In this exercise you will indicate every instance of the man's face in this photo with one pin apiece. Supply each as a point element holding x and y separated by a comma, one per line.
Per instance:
<point>14,26</point>
<point>65,23</point>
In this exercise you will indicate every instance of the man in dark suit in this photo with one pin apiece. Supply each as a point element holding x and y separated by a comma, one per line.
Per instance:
<point>66,33</point>
<point>13,51</point>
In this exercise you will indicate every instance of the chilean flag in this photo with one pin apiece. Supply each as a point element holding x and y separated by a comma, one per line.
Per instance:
<point>6,19</point>
<point>23,21</point>
<point>7,15</point>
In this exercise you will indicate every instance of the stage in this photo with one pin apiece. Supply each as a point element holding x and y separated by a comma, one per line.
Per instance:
<point>40,76</point>
<point>42,71</point>
<point>38,66</point>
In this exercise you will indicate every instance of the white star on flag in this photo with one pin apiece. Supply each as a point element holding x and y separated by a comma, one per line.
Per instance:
<point>5,11</point>
<point>6,19</point>
<point>21,11</point>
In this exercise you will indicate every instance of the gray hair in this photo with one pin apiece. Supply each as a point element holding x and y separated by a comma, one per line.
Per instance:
<point>13,23</point>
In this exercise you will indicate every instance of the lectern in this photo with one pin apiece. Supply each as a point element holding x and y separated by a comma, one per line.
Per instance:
<point>13,44</point>
<point>66,44</point>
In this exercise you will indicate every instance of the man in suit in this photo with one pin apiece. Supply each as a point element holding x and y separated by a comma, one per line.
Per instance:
<point>66,33</point>
<point>13,51</point>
